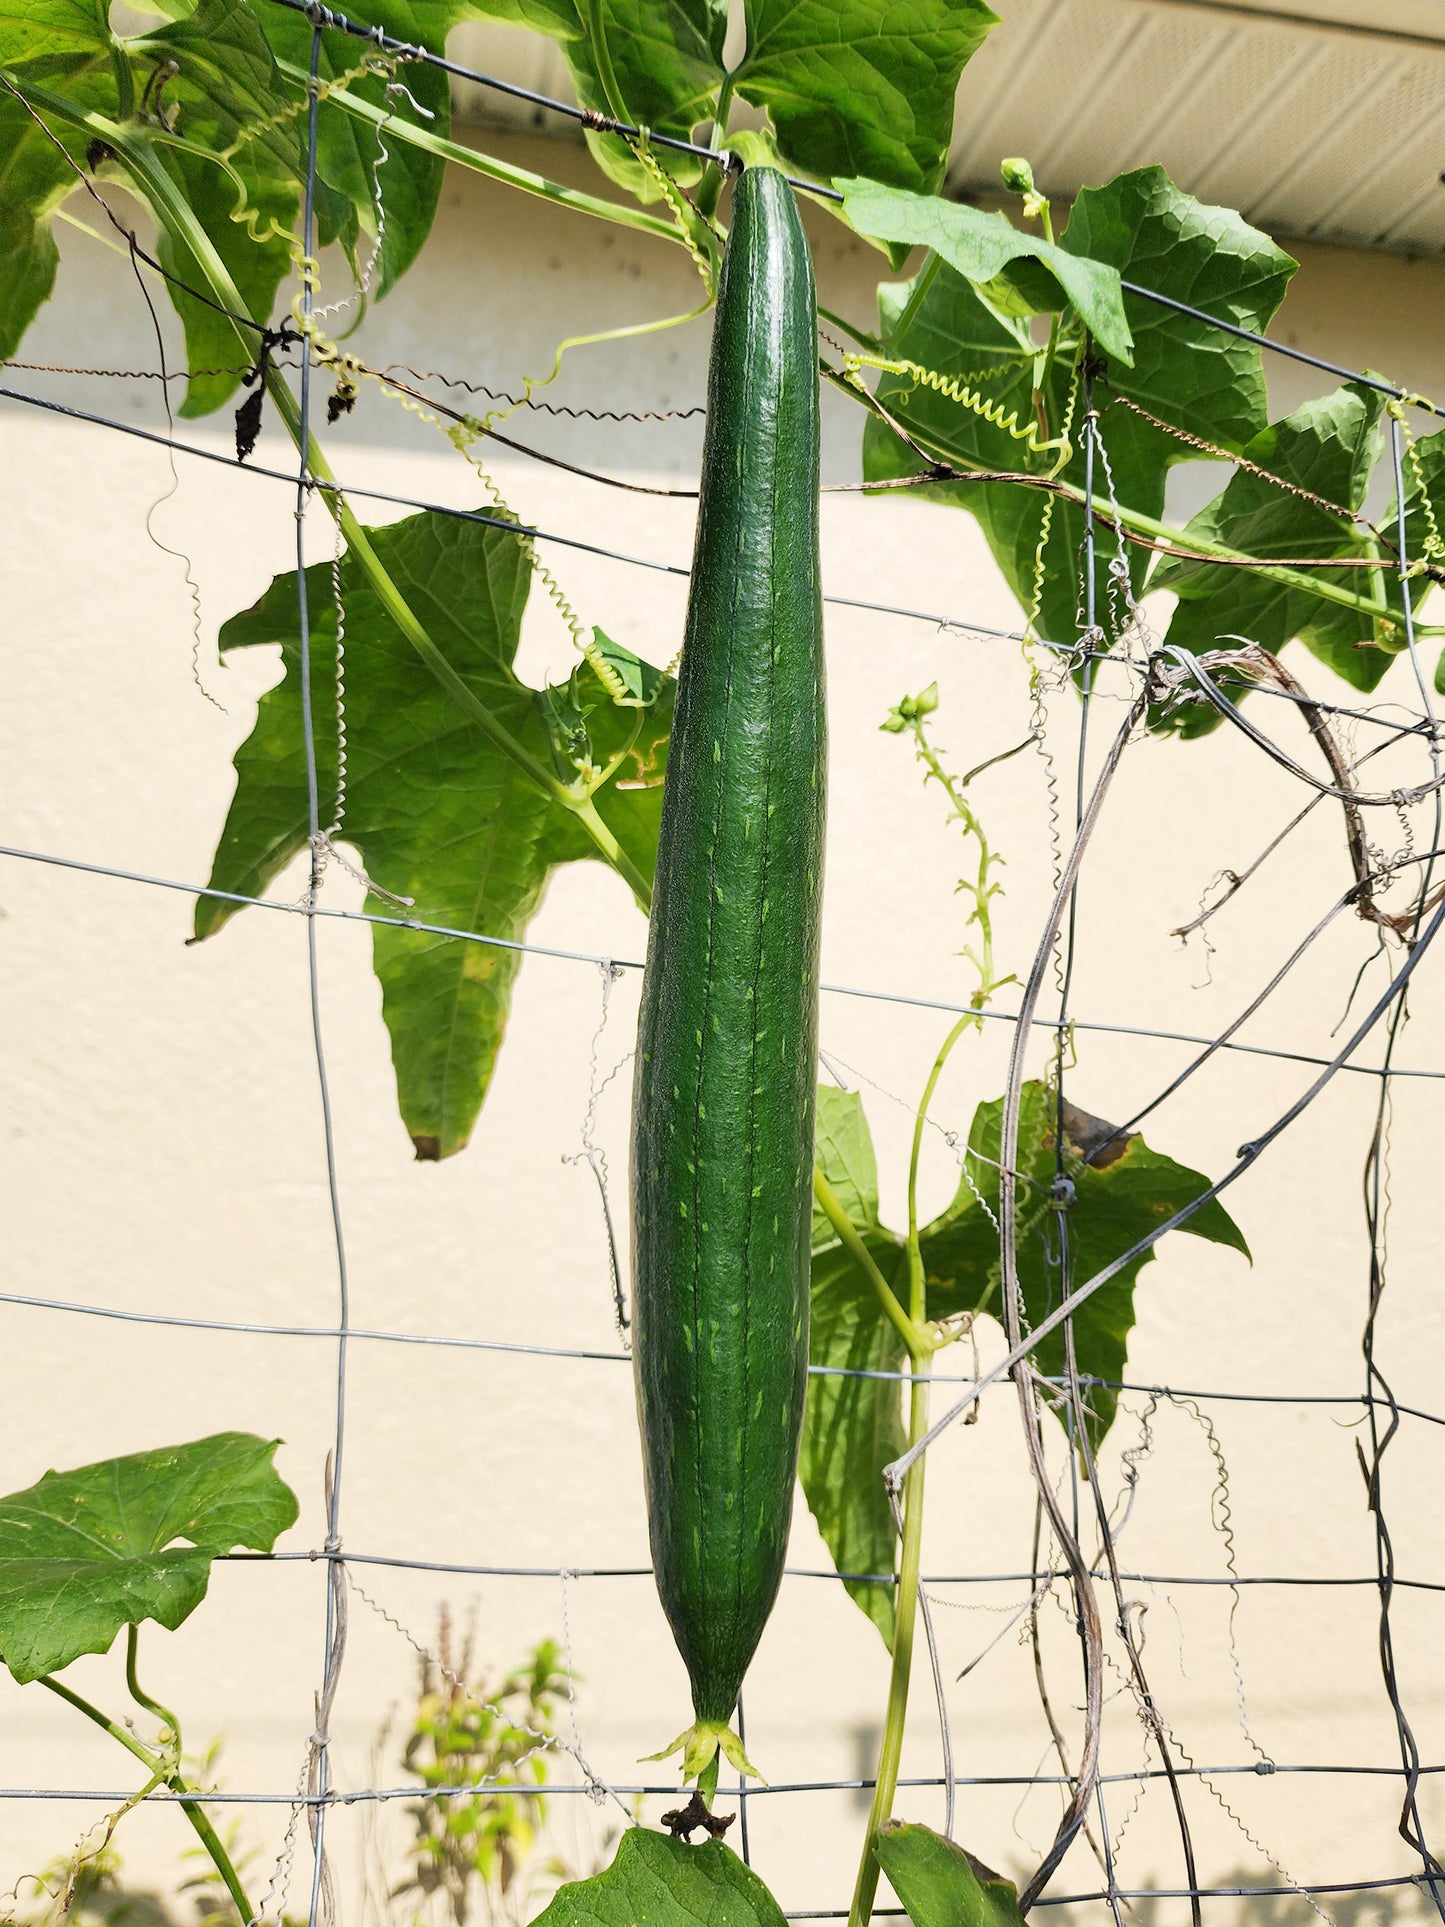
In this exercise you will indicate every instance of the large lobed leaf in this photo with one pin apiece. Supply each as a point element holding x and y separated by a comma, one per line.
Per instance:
<point>434,809</point>
<point>1330,447</point>
<point>84,1553</point>
<point>655,1881</point>
<point>1144,229</point>
<point>853,1427</point>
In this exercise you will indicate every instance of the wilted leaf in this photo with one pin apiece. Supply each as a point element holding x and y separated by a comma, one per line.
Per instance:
<point>435,810</point>
<point>84,1553</point>
<point>655,1881</point>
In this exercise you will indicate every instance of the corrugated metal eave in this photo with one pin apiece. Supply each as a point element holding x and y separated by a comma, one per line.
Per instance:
<point>1313,131</point>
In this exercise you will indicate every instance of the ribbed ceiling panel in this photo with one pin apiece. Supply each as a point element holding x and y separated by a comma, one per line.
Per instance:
<point>1311,129</point>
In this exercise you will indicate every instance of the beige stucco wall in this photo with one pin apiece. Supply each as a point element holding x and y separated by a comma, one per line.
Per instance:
<point>164,1151</point>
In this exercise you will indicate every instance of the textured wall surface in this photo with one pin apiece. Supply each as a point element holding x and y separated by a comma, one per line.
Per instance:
<point>163,1150</point>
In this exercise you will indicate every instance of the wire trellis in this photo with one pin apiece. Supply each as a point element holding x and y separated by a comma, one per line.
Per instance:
<point>1075,1537</point>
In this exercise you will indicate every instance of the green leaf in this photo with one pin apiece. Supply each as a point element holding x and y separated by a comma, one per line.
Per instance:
<point>214,351</point>
<point>852,1427</point>
<point>36,29</point>
<point>200,85</point>
<point>667,58</point>
<point>667,55</point>
<point>862,87</point>
<point>982,246</point>
<point>1423,462</point>
<point>435,811</point>
<point>941,323</point>
<point>1122,1191</point>
<point>655,1881</point>
<point>227,84</point>
<point>1188,374</point>
<point>1184,373</point>
<point>1329,446</point>
<point>843,1148</point>
<point>940,1883</point>
<point>84,1553</point>
<point>399,197</point>
<point>35,178</point>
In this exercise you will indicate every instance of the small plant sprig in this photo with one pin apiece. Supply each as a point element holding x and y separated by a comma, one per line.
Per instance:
<point>910,716</point>
<point>472,1850</point>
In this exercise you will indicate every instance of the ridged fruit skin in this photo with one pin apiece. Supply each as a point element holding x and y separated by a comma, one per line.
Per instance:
<point>722,1148</point>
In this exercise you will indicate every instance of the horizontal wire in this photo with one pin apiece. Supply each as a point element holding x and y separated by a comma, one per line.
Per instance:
<point>320,1555</point>
<point>517,1348</point>
<point>1114,1893</point>
<point>954,624</point>
<point>468,515</point>
<point>597,960</point>
<point>1422,402</point>
<point>322,486</point>
<point>469,1790</point>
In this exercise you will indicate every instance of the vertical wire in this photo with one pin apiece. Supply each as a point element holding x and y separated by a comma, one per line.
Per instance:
<point>1076,1419</point>
<point>1089,613</point>
<point>1076,1444</point>
<point>335,1576</point>
<point>1071,1370</point>
<point>1411,1824</point>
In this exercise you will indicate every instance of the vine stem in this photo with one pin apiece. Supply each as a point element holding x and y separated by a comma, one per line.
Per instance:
<point>606,72</point>
<point>155,1763</point>
<point>836,1212</point>
<point>523,178</point>
<point>905,1615</point>
<point>905,1609</point>
<point>163,1713</point>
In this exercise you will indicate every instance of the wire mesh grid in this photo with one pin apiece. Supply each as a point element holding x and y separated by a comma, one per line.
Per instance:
<point>1075,1564</point>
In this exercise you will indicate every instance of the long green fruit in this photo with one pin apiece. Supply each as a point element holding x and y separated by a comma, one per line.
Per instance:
<point>722,1151</point>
